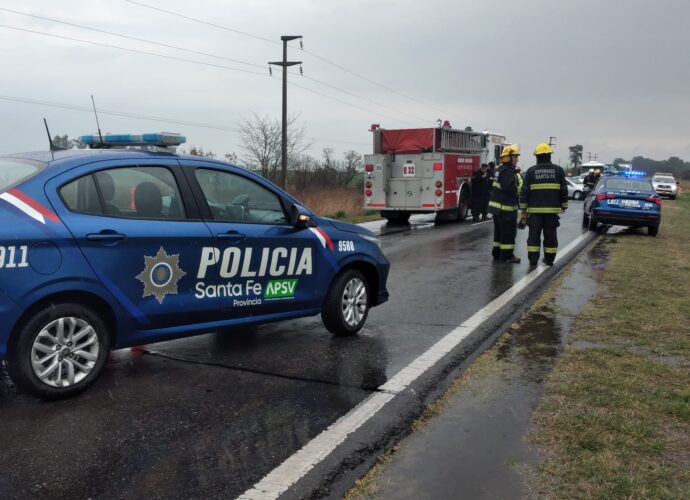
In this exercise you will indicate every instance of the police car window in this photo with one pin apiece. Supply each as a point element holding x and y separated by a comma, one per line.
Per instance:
<point>628,185</point>
<point>234,198</point>
<point>81,196</point>
<point>140,193</point>
<point>13,171</point>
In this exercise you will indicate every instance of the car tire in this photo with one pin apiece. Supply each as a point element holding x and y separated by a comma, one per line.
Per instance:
<point>593,224</point>
<point>652,230</point>
<point>50,333</point>
<point>344,312</point>
<point>577,195</point>
<point>672,197</point>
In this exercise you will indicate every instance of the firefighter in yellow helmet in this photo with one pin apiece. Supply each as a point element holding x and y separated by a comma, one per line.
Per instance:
<point>504,205</point>
<point>543,196</point>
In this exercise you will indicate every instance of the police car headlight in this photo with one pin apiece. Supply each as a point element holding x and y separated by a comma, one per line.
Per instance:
<point>371,239</point>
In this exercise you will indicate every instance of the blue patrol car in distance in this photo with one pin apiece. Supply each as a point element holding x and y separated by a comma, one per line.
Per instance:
<point>108,248</point>
<point>627,199</point>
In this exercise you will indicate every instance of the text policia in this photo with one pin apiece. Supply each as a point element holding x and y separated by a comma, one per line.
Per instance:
<point>235,262</point>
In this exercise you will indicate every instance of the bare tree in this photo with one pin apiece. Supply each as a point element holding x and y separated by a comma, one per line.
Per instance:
<point>260,139</point>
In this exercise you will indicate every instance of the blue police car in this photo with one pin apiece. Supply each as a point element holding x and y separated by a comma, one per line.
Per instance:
<point>109,248</point>
<point>628,199</point>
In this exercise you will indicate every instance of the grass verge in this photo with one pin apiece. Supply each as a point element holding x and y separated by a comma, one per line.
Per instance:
<point>614,421</point>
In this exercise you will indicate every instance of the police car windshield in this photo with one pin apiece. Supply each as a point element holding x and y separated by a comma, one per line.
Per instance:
<point>628,184</point>
<point>13,171</point>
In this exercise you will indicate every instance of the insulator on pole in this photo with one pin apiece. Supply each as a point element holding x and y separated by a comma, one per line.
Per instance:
<point>300,70</point>
<point>301,45</point>
<point>270,71</point>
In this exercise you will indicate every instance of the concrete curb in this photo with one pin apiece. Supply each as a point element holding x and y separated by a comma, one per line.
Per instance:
<point>336,474</point>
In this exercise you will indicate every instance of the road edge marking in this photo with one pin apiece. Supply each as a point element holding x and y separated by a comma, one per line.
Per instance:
<point>303,460</point>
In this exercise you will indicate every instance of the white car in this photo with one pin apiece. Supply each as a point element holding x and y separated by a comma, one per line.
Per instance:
<point>665,185</point>
<point>575,188</point>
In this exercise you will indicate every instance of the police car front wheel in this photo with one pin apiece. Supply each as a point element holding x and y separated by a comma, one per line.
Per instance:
<point>347,304</point>
<point>59,351</point>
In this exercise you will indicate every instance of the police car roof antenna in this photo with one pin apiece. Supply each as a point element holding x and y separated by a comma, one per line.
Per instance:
<point>97,124</point>
<point>53,147</point>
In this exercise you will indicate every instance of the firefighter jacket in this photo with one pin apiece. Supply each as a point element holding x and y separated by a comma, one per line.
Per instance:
<point>544,190</point>
<point>504,192</point>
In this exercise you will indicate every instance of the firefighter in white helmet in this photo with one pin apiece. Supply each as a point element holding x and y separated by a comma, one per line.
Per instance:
<point>504,206</point>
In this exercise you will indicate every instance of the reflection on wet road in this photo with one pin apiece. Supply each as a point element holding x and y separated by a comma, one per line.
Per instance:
<point>483,425</point>
<point>209,416</point>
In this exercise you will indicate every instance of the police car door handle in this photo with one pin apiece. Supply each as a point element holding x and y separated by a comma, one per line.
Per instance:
<point>232,236</point>
<point>105,235</point>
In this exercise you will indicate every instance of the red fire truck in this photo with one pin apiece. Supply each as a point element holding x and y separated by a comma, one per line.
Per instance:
<point>425,170</point>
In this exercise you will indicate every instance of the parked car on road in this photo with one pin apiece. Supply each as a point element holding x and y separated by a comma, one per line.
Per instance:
<point>623,200</point>
<point>665,185</point>
<point>575,189</point>
<point>106,248</point>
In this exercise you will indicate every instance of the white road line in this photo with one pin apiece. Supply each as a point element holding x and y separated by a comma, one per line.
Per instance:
<point>301,462</point>
<point>482,222</point>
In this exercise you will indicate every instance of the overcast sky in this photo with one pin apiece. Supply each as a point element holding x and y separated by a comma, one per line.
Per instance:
<point>613,76</point>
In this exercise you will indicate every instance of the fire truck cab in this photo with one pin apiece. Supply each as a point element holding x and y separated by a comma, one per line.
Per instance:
<point>425,170</point>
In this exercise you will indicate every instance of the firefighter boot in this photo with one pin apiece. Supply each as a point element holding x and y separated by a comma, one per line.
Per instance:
<point>512,260</point>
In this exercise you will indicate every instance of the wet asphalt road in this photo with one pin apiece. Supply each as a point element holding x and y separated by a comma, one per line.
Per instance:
<point>209,416</point>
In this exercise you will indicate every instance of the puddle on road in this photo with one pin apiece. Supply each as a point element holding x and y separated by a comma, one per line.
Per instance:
<point>482,426</point>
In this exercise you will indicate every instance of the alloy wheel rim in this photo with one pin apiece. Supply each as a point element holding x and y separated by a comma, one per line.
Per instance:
<point>64,352</point>
<point>354,302</point>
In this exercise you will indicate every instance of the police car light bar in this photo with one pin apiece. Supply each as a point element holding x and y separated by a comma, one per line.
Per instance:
<point>633,173</point>
<point>163,139</point>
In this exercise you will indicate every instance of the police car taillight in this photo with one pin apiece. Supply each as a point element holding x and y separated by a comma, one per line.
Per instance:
<point>654,199</point>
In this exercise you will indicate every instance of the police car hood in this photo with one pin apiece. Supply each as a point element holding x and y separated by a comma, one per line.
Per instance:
<point>350,228</point>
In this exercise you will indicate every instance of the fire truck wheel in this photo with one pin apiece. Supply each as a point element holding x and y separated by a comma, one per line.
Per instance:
<point>396,217</point>
<point>347,304</point>
<point>464,206</point>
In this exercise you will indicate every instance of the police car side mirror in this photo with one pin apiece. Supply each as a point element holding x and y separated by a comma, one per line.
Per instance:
<point>301,218</point>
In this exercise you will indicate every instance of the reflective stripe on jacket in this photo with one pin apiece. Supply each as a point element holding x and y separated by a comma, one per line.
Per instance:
<point>504,193</point>
<point>545,190</point>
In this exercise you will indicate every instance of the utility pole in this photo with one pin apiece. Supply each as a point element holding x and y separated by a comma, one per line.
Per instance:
<point>285,64</point>
<point>552,142</point>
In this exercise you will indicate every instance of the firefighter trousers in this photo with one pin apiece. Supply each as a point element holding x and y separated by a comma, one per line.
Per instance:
<point>505,230</point>
<point>538,223</point>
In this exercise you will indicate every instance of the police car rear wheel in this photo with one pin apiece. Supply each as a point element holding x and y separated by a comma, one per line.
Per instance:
<point>347,304</point>
<point>59,351</point>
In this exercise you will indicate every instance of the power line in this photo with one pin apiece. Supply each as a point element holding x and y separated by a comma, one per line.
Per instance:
<point>342,68</point>
<point>208,23</point>
<point>136,51</point>
<point>87,109</point>
<point>207,54</point>
<point>128,37</point>
<point>110,112</point>
<point>193,61</point>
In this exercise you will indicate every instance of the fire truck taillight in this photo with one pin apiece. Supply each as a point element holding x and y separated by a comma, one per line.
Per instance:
<point>368,184</point>
<point>369,167</point>
<point>439,184</point>
<point>438,166</point>
<point>439,192</point>
<point>368,192</point>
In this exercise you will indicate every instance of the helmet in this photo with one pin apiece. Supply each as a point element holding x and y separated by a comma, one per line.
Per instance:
<point>543,149</point>
<point>591,170</point>
<point>510,150</point>
<point>597,171</point>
